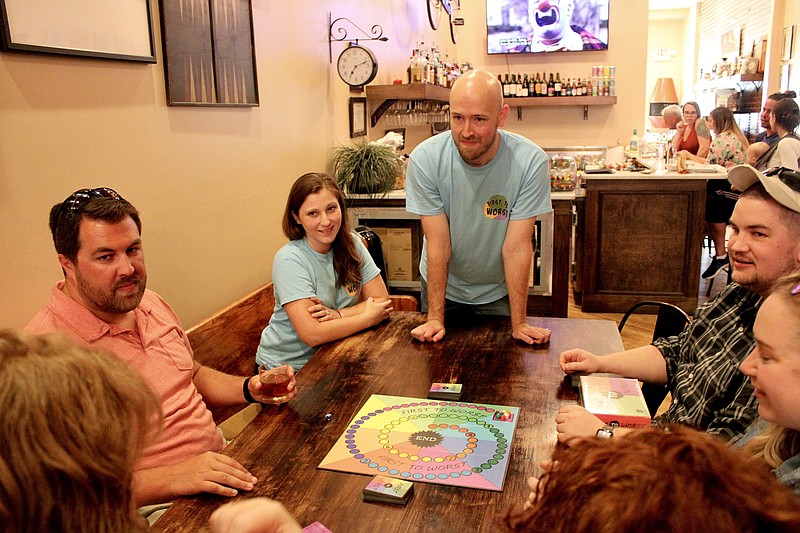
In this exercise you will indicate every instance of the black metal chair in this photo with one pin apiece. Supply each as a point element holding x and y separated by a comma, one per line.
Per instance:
<point>670,321</point>
<point>373,243</point>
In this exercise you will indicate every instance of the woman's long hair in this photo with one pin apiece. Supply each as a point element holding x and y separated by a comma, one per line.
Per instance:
<point>74,422</point>
<point>725,121</point>
<point>787,114</point>
<point>346,261</point>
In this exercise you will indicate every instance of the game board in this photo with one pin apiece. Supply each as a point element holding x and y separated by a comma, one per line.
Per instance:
<point>450,443</point>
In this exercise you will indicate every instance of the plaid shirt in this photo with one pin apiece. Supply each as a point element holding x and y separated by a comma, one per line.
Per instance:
<point>708,390</point>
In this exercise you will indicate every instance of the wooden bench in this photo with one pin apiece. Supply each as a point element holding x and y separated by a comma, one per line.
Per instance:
<point>227,340</point>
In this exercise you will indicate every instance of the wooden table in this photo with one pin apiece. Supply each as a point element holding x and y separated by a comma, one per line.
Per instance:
<point>284,445</point>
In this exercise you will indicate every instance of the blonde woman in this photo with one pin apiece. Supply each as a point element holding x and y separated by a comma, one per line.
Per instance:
<point>774,369</point>
<point>74,422</point>
<point>729,148</point>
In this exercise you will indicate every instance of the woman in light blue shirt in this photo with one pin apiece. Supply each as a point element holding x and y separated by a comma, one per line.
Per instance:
<point>327,286</point>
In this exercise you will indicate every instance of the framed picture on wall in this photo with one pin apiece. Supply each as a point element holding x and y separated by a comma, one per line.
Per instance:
<point>358,116</point>
<point>786,49</point>
<point>89,28</point>
<point>209,53</point>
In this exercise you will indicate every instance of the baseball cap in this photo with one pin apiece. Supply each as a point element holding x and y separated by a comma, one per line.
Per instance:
<point>782,183</point>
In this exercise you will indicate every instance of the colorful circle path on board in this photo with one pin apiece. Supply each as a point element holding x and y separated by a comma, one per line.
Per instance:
<point>446,442</point>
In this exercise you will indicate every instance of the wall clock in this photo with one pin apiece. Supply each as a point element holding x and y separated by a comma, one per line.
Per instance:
<point>357,65</point>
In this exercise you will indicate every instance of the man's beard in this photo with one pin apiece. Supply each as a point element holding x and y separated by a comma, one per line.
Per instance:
<point>110,302</point>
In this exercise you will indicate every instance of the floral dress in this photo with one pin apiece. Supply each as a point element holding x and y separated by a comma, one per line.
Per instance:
<point>727,150</point>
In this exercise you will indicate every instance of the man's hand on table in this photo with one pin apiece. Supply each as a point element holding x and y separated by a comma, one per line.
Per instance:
<point>256,515</point>
<point>530,334</point>
<point>430,331</point>
<point>573,422</point>
<point>209,472</point>
<point>578,360</point>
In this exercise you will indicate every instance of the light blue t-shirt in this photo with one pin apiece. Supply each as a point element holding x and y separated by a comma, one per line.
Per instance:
<point>479,203</point>
<point>300,272</point>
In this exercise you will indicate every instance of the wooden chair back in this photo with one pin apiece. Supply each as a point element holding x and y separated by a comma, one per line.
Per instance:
<point>228,339</point>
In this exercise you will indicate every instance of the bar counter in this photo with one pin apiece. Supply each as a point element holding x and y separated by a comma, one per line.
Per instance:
<point>639,237</point>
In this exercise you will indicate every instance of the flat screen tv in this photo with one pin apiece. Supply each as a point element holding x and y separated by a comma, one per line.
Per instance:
<point>528,26</point>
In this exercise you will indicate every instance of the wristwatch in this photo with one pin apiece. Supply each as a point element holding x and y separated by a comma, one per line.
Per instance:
<point>605,432</point>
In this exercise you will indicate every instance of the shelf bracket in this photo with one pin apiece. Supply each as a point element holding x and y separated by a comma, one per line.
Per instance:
<point>586,112</point>
<point>519,114</point>
<point>376,34</point>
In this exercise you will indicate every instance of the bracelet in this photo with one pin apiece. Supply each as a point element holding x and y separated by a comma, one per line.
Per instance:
<point>339,312</point>
<point>246,392</point>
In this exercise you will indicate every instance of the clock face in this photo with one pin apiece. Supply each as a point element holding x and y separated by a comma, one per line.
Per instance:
<point>357,66</point>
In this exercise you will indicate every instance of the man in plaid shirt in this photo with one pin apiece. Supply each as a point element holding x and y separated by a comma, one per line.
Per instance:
<point>701,365</point>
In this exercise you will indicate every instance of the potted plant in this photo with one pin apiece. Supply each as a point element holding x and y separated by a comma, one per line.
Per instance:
<point>365,168</point>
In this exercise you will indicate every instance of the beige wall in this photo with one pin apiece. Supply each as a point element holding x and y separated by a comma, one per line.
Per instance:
<point>565,126</point>
<point>211,182</point>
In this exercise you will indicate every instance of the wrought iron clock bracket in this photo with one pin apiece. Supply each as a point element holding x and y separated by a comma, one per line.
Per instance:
<point>338,26</point>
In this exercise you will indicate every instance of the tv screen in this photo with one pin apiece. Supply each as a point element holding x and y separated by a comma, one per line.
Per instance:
<point>528,26</point>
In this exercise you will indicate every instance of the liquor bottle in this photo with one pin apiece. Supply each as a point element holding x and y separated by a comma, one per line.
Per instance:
<point>538,86</point>
<point>557,86</point>
<point>416,67</point>
<point>591,90</point>
<point>524,91</point>
<point>551,86</point>
<point>568,87</point>
<point>507,87</point>
<point>634,142</point>
<point>532,85</point>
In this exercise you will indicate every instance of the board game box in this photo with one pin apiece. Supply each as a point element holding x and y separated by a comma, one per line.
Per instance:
<point>447,442</point>
<point>616,401</point>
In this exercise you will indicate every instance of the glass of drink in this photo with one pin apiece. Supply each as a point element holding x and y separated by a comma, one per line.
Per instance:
<point>274,382</point>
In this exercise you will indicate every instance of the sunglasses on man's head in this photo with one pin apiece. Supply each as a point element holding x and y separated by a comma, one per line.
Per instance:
<point>788,176</point>
<point>80,198</point>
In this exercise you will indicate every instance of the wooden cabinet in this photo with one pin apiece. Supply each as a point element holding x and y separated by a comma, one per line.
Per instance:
<point>640,240</point>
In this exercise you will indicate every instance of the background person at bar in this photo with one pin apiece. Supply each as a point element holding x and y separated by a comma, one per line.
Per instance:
<point>728,148</point>
<point>692,132</point>
<point>478,192</point>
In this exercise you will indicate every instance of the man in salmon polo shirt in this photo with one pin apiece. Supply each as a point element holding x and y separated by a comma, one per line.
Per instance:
<point>103,302</point>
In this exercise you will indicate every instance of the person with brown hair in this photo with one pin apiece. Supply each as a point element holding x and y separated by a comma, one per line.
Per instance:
<point>671,479</point>
<point>784,120</point>
<point>327,286</point>
<point>103,302</point>
<point>74,422</point>
<point>692,133</point>
<point>774,369</point>
<point>768,135</point>
<point>729,148</point>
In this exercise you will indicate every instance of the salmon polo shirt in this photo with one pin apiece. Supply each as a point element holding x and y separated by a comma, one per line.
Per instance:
<point>160,352</point>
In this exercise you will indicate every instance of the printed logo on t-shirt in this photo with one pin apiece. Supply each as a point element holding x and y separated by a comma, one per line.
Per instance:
<point>352,288</point>
<point>496,207</point>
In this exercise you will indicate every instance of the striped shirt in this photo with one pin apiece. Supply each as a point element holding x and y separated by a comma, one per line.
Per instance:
<point>708,390</point>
